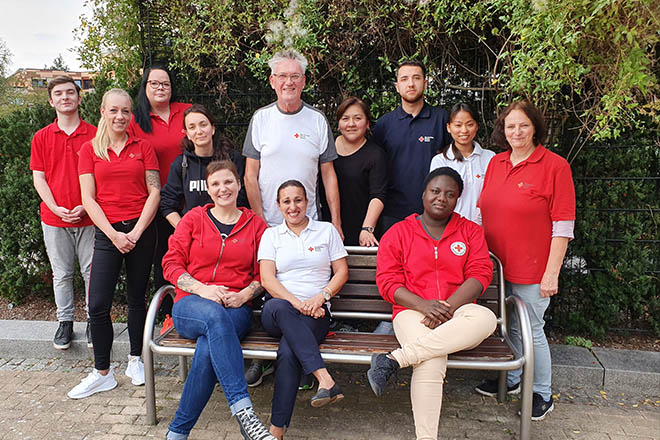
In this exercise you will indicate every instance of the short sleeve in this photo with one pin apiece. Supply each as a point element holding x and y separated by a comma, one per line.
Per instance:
<point>150,159</point>
<point>267,246</point>
<point>86,160</point>
<point>330,152</point>
<point>249,148</point>
<point>562,201</point>
<point>336,249</point>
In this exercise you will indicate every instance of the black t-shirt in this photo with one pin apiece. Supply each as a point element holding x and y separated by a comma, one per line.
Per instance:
<point>224,229</point>
<point>362,176</point>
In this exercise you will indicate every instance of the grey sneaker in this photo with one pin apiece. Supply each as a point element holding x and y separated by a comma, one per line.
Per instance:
<point>382,368</point>
<point>63,335</point>
<point>251,426</point>
<point>255,373</point>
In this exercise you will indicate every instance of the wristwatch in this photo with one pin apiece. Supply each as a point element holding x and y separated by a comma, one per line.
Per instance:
<point>327,294</point>
<point>369,229</point>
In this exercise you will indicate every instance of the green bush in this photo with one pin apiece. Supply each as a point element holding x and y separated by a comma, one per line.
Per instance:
<point>24,265</point>
<point>615,278</point>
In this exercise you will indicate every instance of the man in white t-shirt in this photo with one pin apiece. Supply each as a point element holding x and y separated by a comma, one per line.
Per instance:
<point>288,139</point>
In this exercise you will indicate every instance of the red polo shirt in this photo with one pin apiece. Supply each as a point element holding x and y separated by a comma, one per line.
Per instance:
<point>518,205</point>
<point>165,136</point>
<point>121,189</point>
<point>56,154</point>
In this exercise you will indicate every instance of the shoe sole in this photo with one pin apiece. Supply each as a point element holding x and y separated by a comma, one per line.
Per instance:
<point>62,347</point>
<point>318,403</point>
<point>269,370</point>
<point>92,392</point>
<point>486,393</point>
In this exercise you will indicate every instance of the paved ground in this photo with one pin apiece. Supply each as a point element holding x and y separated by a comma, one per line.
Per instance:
<point>33,405</point>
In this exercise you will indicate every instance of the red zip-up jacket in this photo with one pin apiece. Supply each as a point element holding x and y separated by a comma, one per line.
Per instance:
<point>408,257</point>
<point>196,247</point>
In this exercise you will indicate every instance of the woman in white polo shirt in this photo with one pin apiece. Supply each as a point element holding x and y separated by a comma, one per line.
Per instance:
<point>297,259</point>
<point>465,156</point>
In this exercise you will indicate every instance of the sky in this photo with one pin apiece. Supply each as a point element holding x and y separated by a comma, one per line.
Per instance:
<point>37,31</point>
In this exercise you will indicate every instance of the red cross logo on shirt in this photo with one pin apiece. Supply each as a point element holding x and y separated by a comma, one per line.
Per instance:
<point>458,248</point>
<point>478,176</point>
<point>311,249</point>
<point>421,139</point>
<point>296,135</point>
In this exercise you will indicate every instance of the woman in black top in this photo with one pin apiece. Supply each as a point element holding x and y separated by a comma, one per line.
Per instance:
<point>361,173</point>
<point>186,181</point>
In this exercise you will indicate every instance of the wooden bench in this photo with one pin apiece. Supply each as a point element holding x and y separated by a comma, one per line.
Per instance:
<point>359,299</point>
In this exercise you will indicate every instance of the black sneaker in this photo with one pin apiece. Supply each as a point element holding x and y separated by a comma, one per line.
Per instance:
<point>382,368</point>
<point>63,335</point>
<point>541,407</point>
<point>255,373</point>
<point>251,426</point>
<point>307,382</point>
<point>489,388</point>
<point>88,335</point>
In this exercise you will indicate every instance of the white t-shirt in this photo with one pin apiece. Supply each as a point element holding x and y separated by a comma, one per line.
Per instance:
<point>472,170</point>
<point>303,263</point>
<point>288,146</point>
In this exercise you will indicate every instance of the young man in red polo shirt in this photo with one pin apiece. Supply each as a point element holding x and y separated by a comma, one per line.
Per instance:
<point>68,231</point>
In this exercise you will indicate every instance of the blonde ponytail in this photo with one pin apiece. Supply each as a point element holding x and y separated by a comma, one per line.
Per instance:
<point>101,141</point>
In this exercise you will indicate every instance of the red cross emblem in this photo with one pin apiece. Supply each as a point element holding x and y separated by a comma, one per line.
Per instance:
<point>296,135</point>
<point>458,248</point>
<point>478,176</point>
<point>311,249</point>
<point>421,139</point>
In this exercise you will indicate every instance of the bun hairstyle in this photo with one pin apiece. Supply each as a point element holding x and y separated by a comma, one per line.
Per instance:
<point>101,141</point>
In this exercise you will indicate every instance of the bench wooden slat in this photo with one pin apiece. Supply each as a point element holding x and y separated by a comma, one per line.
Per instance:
<point>493,348</point>
<point>361,274</point>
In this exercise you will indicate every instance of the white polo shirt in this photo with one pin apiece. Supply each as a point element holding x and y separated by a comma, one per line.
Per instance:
<point>303,263</point>
<point>288,146</point>
<point>472,170</point>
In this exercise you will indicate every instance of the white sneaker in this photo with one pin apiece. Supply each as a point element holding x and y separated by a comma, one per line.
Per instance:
<point>94,383</point>
<point>135,370</point>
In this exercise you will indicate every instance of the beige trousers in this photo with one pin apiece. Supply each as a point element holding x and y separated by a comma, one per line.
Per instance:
<point>426,351</point>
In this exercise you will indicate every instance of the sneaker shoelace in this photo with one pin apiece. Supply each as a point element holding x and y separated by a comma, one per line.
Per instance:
<point>252,425</point>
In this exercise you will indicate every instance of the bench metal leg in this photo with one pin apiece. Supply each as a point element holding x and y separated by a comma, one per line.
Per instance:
<point>149,384</point>
<point>501,386</point>
<point>183,368</point>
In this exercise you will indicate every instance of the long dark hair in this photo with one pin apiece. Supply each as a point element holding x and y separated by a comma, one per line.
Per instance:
<point>459,107</point>
<point>142,106</point>
<point>222,145</point>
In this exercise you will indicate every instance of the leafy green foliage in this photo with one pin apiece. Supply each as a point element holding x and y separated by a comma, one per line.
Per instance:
<point>578,341</point>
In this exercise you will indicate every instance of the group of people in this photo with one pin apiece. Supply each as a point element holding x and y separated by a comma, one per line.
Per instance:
<point>225,231</point>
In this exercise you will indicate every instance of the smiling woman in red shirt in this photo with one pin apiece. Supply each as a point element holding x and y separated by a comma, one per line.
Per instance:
<point>528,212</point>
<point>158,119</point>
<point>120,191</point>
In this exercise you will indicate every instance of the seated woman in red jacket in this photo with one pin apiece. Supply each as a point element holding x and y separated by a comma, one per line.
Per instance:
<point>432,267</point>
<point>212,261</point>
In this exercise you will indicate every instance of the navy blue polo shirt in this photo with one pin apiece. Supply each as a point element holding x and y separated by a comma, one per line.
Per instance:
<point>410,144</point>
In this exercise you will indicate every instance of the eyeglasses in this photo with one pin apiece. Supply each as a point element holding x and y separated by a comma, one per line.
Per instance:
<point>294,77</point>
<point>166,85</point>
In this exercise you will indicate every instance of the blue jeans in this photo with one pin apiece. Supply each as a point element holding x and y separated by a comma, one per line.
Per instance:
<point>298,352</point>
<point>530,294</point>
<point>218,357</point>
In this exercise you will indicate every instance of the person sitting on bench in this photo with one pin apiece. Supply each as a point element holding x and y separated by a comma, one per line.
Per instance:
<point>432,267</point>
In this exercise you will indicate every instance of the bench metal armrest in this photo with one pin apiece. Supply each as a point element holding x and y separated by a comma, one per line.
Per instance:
<point>147,353</point>
<point>527,355</point>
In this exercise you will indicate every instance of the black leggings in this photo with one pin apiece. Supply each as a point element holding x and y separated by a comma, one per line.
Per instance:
<point>106,265</point>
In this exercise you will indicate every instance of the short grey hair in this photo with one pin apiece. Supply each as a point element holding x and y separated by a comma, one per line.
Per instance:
<point>287,54</point>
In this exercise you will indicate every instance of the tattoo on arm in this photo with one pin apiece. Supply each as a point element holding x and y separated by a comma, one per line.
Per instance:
<point>256,289</point>
<point>186,283</point>
<point>153,178</point>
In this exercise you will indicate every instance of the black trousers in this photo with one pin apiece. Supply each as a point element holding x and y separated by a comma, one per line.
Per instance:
<point>106,266</point>
<point>164,229</point>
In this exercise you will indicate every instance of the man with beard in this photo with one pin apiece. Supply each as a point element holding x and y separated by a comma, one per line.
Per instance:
<point>410,135</point>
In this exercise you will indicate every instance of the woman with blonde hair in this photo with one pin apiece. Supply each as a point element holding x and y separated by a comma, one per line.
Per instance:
<point>120,187</point>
